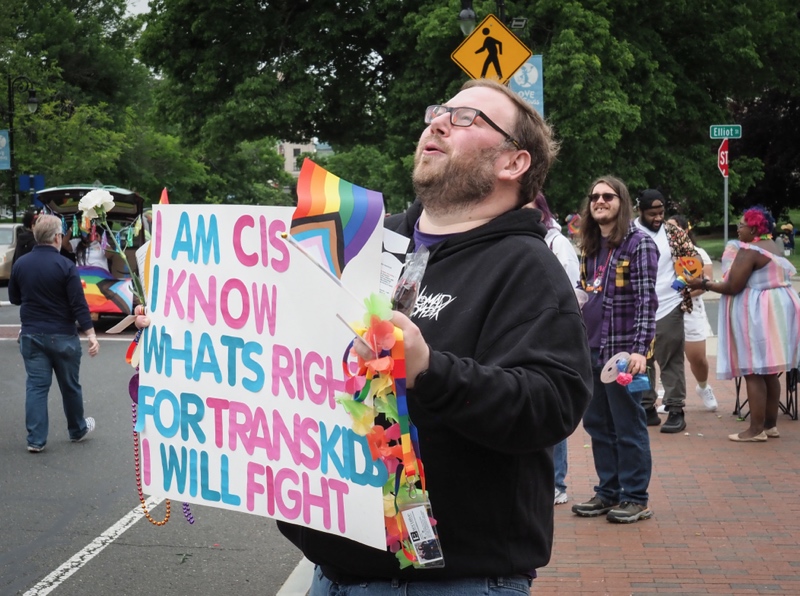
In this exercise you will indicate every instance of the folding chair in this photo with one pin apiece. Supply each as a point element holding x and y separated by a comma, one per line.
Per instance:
<point>788,407</point>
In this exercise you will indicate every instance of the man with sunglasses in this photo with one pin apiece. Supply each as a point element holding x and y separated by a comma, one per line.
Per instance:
<point>618,273</point>
<point>497,365</point>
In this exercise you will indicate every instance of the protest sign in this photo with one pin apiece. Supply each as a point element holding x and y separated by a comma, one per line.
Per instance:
<point>240,368</point>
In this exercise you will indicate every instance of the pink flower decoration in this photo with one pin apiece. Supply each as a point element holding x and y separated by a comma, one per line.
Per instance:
<point>354,384</point>
<point>380,334</point>
<point>624,379</point>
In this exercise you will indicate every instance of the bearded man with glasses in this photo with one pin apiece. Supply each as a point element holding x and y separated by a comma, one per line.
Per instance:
<point>497,365</point>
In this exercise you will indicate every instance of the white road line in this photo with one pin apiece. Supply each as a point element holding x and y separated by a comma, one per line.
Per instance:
<point>299,582</point>
<point>91,550</point>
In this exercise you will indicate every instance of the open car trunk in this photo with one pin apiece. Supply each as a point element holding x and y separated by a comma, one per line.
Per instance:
<point>107,292</point>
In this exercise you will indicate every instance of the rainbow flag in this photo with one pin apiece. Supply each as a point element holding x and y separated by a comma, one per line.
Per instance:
<point>334,218</point>
<point>105,293</point>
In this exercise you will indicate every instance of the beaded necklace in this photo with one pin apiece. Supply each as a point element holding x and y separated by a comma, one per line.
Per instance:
<point>133,389</point>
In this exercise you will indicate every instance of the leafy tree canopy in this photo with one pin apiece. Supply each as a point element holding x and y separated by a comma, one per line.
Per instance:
<point>97,118</point>
<point>631,87</point>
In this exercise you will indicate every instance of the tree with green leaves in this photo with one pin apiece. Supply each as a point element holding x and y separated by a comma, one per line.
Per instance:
<point>630,87</point>
<point>97,118</point>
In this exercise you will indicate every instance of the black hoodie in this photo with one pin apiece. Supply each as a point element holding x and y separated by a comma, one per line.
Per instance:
<point>509,377</point>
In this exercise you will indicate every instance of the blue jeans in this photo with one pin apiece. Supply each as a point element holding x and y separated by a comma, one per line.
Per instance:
<point>560,465</point>
<point>501,586</point>
<point>43,355</point>
<point>617,423</point>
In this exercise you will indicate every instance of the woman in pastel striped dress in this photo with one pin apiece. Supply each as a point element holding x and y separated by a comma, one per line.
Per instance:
<point>759,319</point>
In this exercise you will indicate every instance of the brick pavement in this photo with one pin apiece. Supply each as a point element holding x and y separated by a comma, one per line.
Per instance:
<point>726,514</point>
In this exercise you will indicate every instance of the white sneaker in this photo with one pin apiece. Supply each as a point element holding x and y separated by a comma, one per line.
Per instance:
<point>90,424</point>
<point>662,409</point>
<point>707,394</point>
<point>561,497</point>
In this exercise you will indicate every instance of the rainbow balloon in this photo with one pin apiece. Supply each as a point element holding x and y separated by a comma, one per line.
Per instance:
<point>334,218</point>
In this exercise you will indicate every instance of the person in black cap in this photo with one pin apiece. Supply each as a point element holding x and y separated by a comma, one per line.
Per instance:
<point>672,243</point>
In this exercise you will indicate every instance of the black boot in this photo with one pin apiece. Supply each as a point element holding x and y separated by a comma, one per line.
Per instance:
<point>653,419</point>
<point>675,422</point>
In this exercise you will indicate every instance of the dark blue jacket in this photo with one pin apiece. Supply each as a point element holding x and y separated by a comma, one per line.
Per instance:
<point>49,289</point>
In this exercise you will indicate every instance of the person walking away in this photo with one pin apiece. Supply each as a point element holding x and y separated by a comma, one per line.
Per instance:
<point>48,289</point>
<point>566,255</point>
<point>619,267</point>
<point>695,326</point>
<point>759,320</point>
<point>672,243</point>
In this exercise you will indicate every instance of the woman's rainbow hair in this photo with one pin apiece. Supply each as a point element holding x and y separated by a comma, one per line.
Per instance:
<point>758,218</point>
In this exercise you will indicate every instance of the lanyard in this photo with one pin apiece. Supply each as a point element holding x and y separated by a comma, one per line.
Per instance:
<point>597,286</point>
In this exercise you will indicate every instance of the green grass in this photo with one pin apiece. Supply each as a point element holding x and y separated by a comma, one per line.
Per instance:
<point>714,244</point>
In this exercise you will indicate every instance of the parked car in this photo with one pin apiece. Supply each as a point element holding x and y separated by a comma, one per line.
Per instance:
<point>8,242</point>
<point>108,292</point>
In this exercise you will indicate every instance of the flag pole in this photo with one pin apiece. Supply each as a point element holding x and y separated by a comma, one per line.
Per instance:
<point>326,271</point>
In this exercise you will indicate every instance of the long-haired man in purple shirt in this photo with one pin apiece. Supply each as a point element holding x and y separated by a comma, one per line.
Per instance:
<point>619,265</point>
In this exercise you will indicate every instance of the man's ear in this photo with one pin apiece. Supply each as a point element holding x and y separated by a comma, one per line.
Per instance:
<point>516,164</point>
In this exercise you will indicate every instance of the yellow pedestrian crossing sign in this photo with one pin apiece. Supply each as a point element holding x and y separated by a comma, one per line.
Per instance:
<point>492,51</point>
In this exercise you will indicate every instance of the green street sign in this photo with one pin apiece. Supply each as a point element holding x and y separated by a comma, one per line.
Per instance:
<point>725,131</point>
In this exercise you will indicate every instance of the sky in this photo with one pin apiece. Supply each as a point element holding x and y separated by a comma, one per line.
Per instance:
<point>137,6</point>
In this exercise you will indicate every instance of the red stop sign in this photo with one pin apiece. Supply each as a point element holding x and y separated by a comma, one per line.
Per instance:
<point>722,158</point>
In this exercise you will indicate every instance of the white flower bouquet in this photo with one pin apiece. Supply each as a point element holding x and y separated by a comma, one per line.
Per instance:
<point>95,205</point>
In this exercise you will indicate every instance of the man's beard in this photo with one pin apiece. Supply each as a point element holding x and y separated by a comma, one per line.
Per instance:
<point>459,183</point>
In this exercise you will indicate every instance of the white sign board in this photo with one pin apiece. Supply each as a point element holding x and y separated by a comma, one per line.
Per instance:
<point>240,369</point>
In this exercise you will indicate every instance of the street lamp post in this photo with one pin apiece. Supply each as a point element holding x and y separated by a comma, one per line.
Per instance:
<point>22,84</point>
<point>467,19</point>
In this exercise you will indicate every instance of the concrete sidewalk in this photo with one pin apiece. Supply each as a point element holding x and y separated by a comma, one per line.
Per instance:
<point>726,514</point>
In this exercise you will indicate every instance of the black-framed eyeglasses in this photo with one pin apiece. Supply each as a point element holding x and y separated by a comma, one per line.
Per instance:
<point>607,196</point>
<point>465,117</point>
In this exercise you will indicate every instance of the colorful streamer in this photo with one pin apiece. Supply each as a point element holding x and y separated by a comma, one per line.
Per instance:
<point>379,388</point>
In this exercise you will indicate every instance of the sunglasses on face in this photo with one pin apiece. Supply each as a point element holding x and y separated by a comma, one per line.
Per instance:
<point>606,196</point>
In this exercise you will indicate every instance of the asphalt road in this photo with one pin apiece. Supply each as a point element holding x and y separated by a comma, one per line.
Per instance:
<point>54,504</point>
